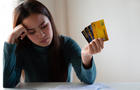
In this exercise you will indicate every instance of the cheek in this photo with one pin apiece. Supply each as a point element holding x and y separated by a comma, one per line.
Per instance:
<point>49,32</point>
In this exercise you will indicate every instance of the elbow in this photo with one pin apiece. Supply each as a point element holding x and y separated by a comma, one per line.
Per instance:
<point>91,81</point>
<point>6,85</point>
<point>9,84</point>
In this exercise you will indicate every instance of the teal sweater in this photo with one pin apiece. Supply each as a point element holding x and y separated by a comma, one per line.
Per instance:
<point>37,63</point>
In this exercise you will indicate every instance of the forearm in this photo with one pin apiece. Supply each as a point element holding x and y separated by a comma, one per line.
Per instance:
<point>11,77</point>
<point>86,59</point>
<point>88,75</point>
<point>11,39</point>
<point>10,73</point>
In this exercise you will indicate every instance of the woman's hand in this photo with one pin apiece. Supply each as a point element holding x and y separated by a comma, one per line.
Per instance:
<point>19,31</point>
<point>92,48</point>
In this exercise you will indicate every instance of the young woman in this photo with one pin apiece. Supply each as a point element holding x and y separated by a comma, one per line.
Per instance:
<point>36,48</point>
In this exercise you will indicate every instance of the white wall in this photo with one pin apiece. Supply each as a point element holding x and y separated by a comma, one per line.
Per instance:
<point>119,61</point>
<point>5,26</point>
<point>57,9</point>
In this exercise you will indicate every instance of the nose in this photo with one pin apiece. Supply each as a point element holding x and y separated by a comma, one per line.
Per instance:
<point>41,34</point>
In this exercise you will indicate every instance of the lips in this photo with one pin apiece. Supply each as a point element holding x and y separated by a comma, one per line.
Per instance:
<point>44,40</point>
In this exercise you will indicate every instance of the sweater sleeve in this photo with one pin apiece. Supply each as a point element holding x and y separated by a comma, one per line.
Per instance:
<point>73,52</point>
<point>11,74</point>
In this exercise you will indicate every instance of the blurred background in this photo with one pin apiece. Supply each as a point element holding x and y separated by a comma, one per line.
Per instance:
<point>119,61</point>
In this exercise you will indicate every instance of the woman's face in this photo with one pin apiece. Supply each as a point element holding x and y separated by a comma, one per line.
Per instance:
<point>39,29</point>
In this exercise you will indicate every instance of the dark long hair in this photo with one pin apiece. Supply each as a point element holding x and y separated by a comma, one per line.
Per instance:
<point>58,65</point>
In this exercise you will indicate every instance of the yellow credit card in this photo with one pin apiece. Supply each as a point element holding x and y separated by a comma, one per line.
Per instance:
<point>99,30</point>
<point>95,30</point>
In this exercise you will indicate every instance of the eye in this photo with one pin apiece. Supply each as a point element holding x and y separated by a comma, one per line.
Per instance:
<point>44,26</point>
<point>31,32</point>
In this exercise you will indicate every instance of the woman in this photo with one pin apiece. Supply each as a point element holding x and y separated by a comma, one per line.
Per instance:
<point>36,48</point>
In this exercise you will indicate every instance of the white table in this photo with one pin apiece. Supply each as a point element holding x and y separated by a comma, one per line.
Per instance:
<point>59,86</point>
<point>125,85</point>
<point>77,86</point>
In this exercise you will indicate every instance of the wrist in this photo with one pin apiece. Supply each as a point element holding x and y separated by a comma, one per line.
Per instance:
<point>86,59</point>
<point>11,39</point>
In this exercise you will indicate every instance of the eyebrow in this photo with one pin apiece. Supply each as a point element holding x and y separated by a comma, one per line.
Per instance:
<point>32,28</point>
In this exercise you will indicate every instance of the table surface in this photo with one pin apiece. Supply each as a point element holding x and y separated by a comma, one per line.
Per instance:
<point>76,86</point>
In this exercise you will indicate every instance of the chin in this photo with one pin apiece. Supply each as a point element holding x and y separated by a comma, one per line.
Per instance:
<point>45,44</point>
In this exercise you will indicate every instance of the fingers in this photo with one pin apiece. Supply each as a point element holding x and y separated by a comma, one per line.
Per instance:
<point>23,34</point>
<point>101,43</point>
<point>96,45</point>
<point>93,47</point>
<point>20,31</point>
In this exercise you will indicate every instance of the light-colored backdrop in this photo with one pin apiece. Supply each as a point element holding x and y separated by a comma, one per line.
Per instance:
<point>119,61</point>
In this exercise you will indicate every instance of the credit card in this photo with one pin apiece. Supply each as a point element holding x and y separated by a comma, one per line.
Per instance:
<point>95,30</point>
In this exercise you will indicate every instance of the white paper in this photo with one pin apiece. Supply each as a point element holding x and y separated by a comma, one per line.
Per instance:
<point>97,86</point>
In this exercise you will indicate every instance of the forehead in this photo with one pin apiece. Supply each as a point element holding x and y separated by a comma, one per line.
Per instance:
<point>34,20</point>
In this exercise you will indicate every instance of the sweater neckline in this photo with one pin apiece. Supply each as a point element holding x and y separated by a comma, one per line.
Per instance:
<point>40,49</point>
